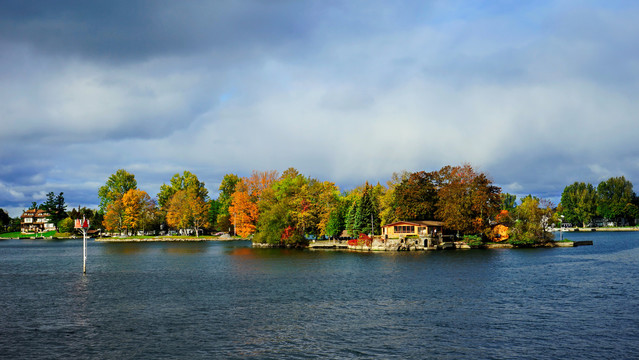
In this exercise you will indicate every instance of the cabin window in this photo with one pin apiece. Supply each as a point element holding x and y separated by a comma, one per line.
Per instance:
<point>404,229</point>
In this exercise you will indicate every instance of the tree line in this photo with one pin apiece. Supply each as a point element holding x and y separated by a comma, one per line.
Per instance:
<point>289,207</point>
<point>612,200</point>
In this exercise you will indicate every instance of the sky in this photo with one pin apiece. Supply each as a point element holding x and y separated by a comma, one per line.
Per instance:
<point>536,94</point>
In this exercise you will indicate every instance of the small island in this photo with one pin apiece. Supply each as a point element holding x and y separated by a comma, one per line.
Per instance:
<point>455,207</point>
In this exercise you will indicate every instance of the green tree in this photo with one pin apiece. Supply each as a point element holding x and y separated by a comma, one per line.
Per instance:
<point>579,203</point>
<point>187,181</point>
<point>227,189</point>
<point>285,210</point>
<point>616,199</point>
<point>95,217</point>
<point>55,207</point>
<point>508,201</point>
<point>336,223</point>
<point>214,211</point>
<point>350,222</point>
<point>66,225</point>
<point>366,216</point>
<point>5,220</point>
<point>116,186</point>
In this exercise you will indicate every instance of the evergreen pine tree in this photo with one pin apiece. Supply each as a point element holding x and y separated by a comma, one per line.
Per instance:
<point>367,217</point>
<point>350,219</point>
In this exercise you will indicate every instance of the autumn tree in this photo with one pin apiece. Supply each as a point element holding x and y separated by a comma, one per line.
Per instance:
<point>116,186</point>
<point>292,207</point>
<point>139,210</point>
<point>325,201</point>
<point>186,209</point>
<point>466,200</point>
<point>114,216</point>
<point>533,219</point>
<point>387,204</point>
<point>415,197</point>
<point>187,181</point>
<point>243,210</point>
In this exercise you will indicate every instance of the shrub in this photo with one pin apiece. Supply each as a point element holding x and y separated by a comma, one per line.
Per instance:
<point>473,240</point>
<point>65,225</point>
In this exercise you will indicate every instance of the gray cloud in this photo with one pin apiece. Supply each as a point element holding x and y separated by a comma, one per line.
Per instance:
<point>537,95</point>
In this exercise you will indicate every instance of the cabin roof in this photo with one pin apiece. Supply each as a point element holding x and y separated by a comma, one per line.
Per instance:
<point>417,223</point>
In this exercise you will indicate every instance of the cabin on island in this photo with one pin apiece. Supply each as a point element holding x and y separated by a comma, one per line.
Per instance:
<point>416,227</point>
<point>33,221</point>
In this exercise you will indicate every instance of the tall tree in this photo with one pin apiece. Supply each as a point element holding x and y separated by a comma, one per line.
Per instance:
<point>186,181</point>
<point>466,200</point>
<point>579,203</point>
<point>55,207</point>
<point>243,211</point>
<point>351,216</point>
<point>367,216</point>
<point>139,210</point>
<point>336,220</point>
<point>214,211</point>
<point>186,209</point>
<point>616,199</point>
<point>116,186</point>
<point>416,197</point>
<point>289,209</point>
<point>387,202</point>
<point>114,216</point>
<point>5,220</point>
<point>227,188</point>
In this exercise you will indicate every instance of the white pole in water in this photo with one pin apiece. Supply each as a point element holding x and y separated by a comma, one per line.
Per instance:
<point>84,243</point>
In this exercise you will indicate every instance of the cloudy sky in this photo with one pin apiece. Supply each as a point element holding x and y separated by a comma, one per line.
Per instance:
<point>536,94</point>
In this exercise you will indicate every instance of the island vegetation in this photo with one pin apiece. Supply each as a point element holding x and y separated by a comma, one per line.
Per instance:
<point>289,208</point>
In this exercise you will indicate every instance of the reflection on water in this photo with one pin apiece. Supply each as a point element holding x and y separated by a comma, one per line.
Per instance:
<point>185,248</point>
<point>128,248</point>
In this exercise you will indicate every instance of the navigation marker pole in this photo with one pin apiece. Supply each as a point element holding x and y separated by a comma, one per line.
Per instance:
<point>83,225</point>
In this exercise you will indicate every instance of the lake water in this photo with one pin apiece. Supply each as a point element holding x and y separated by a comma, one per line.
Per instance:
<point>227,300</point>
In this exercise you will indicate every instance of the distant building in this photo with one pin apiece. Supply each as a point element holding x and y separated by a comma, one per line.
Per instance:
<point>33,221</point>
<point>417,227</point>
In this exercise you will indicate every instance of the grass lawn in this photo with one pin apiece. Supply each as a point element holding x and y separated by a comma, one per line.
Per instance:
<point>19,235</point>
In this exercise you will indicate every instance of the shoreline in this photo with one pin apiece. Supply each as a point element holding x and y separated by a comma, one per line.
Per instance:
<point>161,239</point>
<point>595,229</point>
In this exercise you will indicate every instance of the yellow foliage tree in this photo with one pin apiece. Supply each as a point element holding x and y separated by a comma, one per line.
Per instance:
<point>186,209</point>
<point>139,209</point>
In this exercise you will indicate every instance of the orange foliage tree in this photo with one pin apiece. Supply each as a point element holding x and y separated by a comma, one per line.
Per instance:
<point>243,210</point>
<point>114,216</point>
